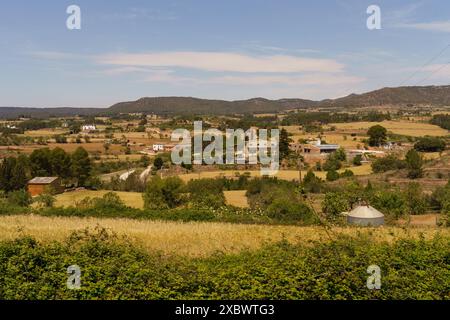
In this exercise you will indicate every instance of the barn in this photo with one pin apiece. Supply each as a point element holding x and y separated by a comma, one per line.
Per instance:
<point>40,185</point>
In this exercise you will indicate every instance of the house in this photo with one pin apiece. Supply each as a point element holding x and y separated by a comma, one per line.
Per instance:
<point>158,147</point>
<point>89,128</point>
<point>319,148</point>
<point>40,185</point>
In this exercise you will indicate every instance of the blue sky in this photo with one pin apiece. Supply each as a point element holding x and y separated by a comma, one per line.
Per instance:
<point>227,49</point>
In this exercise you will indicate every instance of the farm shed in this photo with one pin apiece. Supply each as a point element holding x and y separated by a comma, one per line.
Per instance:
<point>40,185</point>
<point>365,216</point>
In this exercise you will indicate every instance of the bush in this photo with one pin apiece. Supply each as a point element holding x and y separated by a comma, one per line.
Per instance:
<point>387,163</point>
<point>206,193</point>
<point>414,164</point>
<point>45,200</point>
<point>164,193</point>
<point>288,210</point>
<point>332,175</point>
<point>334,204</point>
<point>20,198</point>
<point>357,160</point>
<point>430,144</point>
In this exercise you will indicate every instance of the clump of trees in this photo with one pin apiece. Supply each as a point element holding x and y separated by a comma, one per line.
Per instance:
<point>430,144</point>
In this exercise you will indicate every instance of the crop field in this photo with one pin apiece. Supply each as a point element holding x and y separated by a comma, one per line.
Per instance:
<point>131,199</point>
<point>44,132</point>
<point>193,239</point>
<point>236,198</point>
<point>282,174</point>
<point>408,128</point>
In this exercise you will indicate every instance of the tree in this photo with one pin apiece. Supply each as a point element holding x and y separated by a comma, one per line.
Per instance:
<point>284,144</point>
<point>387,163</point>
<point>61,163</point>
<point>334,204</point>
<point>19,198</point>
<point>340,154</point>
<point>163,193</point>
<point>357,160</point>
<point>332,175</point>
<point>20,173</point>
<point>6,173</point>
<point>414,164</point>
<point>206,193</point>
<point>414,199</point>
<point>377,135</point>
<point>430,144</point>
<point>332,163</point>
<point>81,165</point>
<point>40,162</point>
<point>158,163</point>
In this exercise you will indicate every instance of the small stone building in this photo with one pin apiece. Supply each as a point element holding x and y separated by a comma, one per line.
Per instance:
<point>40,185</point>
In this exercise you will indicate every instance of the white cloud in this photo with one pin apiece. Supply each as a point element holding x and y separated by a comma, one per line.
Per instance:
<point>223,62</point>
<point>438,26</point>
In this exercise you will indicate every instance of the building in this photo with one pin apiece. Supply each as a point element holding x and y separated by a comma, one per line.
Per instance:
<point>158,147</point>
<point>319,148</point>
<point>40,185</point>
<point>89,128</point>
<point>365,216</point>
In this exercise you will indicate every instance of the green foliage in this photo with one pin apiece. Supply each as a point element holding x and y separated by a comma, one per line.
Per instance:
<point>387,163</point>
<point>414,163</point>
<point>332,175</point>
<point>114,268</point>
<point>311,183</point>
<point>158,163</point>
<point>346,174</point>
<point>20,198</point>
<point>441,120</point>
<point>13,173</point>
<point>334,204</point>
<point>284,144</point>
<point>415,200</point>
<point>45,200</point>
<point>377,135</point>
<point>340,154</point>
<point>81,165</point>
<point>332,162</point>
<point>206,193</point>
<point>164,193</point>
<point>357,160</point>
<point>430,144</point>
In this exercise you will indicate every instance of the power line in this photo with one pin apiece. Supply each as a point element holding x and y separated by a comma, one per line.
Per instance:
<point>432,73</point>
<point>425,64</point>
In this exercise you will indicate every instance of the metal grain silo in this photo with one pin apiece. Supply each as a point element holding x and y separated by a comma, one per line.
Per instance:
<point>365,216</point>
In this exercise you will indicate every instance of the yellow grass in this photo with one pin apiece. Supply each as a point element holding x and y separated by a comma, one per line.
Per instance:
<point>236,198</point>
<point>192,239</point>
<point>415,129</point>
<point>282,174</point>
<point>131,199</point>
<point>44,132</point>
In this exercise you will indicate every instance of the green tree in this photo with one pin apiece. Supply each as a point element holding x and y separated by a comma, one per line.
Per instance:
<point>357,160</point>
<point>158,163</point>
<point>332,175</point>
<point>164,193</point>
<point>40,160</point>
<point>334,204</point>
<point>377,135</point>
<point>284,144</point>
<point>81,166</point>
<point>414,164</point>
<point>61,163</point>
<point>340,154</point>
<point>430,144</point>
<point>415,200</point>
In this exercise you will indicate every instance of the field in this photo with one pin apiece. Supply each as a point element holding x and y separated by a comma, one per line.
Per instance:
<point>236,198</point>
<point>282,174</point>
<point>192,239</point>
<point>131,199</point>
<point>408,128</point>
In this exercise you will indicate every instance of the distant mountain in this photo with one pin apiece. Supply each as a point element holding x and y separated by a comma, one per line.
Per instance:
<point>400,96</point>
<point>431,95</point>
<point>182,105</point>
<point>42,113</point>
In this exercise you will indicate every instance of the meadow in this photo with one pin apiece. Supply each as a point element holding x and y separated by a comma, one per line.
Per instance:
<point>196,239</point>
<point>131,199</point>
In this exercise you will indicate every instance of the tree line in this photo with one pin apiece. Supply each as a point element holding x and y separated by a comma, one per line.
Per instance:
<point>74,167</point>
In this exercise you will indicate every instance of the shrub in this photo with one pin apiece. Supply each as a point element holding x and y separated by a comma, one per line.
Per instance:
<point>164,193</point>
<point>430,144</point>
<point>334,204</point>
<point>357,160</point>
<point>206,193</point>
<point>45,200</point>
<point>414,164</point>
<point>387,163</point>
<point>20,198</point>
<point>332,175</point>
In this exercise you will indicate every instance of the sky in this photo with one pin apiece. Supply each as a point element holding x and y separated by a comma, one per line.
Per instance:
<point>227,49</point>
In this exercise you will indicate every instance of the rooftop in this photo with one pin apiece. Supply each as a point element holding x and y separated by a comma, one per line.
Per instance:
<point>42,180</point>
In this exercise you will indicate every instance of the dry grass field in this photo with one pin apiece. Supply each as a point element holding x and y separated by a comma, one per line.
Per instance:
<point>409,128</point>
<point>131,199</point>
<point>236,198</point>
<point>192,239</point>
<point>282,174</point>
<point>44,132</point>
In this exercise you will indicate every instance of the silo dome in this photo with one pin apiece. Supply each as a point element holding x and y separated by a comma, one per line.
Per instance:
<point>365,216</point>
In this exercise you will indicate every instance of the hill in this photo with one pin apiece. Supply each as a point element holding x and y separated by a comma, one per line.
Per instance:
<point>400,96</point>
